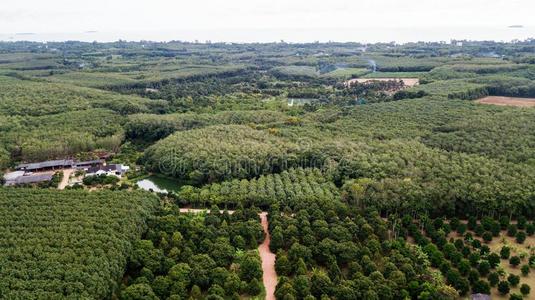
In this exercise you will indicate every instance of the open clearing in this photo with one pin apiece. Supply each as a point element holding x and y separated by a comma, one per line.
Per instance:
<point>408,82</point>
<point>508,101</point>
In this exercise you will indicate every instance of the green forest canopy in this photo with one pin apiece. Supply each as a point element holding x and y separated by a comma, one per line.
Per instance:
<point>329,171</point>
<point>68,244</point>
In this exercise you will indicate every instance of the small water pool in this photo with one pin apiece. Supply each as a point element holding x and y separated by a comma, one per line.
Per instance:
<point>158,184</point>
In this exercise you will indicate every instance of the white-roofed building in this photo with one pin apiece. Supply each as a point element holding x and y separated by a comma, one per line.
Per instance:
<point>11,178</point>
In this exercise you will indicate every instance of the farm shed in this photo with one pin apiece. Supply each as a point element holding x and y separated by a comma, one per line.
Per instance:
<point>11,178</point>
<point>30,179</point>
<point>47,165</point>
<point>89,164</point>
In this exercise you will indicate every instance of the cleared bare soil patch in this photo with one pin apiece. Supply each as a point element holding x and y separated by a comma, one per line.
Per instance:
<point>508,101</point>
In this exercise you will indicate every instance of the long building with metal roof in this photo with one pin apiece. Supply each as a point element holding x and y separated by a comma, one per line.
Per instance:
<point>47,165</point>
<point>29,179</point>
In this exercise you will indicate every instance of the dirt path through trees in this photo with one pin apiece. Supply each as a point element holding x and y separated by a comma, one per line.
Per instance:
<point>269,276</point>
<point>268,261</point>
<point>65,180</point>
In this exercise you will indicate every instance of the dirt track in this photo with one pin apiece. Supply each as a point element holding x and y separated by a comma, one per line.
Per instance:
<point>65,181</point>
<point>508,101</point>
<point>269,276</point>
<point>268,261</point>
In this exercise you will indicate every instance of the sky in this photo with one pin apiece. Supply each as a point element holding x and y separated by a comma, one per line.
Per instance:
<point>246,18</point>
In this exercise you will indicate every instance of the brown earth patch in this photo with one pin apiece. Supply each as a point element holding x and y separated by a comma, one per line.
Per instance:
<point>508,101</point>
<point>65,180</point>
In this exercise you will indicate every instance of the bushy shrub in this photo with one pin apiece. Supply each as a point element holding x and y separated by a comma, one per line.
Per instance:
<point>505,252</point>
<point>513,279</point>
<point>520,237</point>
<point>514,261</point>
<point>503,287</point>
<point>525,289</point>
<point>487,236</point>
<point>511,230</point>
<point>525,270</point>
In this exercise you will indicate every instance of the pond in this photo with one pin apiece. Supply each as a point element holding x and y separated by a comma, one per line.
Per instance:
<point>158,184</point>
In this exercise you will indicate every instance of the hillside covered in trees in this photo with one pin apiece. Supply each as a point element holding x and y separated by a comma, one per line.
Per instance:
<point>382,172</point>
<point>68,245</point>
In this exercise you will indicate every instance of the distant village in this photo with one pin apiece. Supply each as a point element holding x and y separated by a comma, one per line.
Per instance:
<point>42,172</point>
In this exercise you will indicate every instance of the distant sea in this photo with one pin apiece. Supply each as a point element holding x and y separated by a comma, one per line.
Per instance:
<point>296,35</point>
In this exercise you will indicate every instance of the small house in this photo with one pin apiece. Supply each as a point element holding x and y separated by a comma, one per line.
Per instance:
<point>108,170</point>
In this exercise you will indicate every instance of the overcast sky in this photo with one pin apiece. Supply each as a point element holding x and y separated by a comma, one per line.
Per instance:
<point>54,16</point>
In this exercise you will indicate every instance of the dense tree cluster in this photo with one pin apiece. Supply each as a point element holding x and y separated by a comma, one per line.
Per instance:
<point>275,126</point>
<point>464,258</point>
<point>4,158</point>
<point>70,244</point>
<point>392,176</point>
<point>451,89</point>
<point>59,135</point>
<point>199,255</point>
<point>401,63</point>
<point>475,87</point>
<point>28,98</point>
<point>213,153</point>
<point>399,173</point>
<point>103,179</point>
<point>499,133</point>
<point>508,86</point>
<point>324,250</point>
<point>156,127</point>
<point>289,187</point>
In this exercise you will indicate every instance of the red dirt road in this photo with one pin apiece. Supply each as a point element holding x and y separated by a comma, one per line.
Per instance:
<point>268,261</point>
